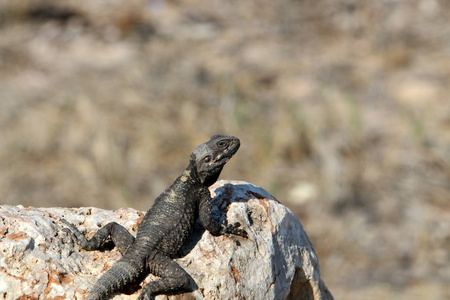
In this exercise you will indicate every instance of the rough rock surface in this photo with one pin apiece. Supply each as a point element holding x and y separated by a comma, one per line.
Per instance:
<point>38,260</point>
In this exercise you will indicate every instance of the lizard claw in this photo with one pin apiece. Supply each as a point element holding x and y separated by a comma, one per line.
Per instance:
<point>241,232</point>
<point>236,224</point>
<point>70,231</point>
<point>145,294</point>
<point>234,229</point>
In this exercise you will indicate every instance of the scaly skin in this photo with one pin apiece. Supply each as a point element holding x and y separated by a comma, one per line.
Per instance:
<point>166,227</point>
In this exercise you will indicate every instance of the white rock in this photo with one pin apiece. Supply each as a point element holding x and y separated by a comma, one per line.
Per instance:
<point>38,260</point>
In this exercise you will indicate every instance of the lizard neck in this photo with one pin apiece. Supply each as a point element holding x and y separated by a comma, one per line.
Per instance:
<point>192,172</point>
<point>189,176</point>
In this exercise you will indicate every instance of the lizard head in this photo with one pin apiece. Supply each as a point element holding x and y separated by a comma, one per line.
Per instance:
<point>210,157</point>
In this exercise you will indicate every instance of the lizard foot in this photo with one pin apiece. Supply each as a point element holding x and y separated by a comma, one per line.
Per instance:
<point>146,294</point>
<point>74,233</point>
<point>234,229</point>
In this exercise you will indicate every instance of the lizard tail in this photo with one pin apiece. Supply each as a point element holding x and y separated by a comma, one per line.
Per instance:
<point>113,280</point>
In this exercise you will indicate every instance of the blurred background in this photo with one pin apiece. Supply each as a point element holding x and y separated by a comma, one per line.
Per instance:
<point>342,107</point>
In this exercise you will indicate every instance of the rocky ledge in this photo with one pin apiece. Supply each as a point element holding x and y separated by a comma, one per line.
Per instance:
<point>38,259</point>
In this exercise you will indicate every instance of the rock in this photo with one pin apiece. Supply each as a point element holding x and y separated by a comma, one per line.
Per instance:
<point>38,260</point>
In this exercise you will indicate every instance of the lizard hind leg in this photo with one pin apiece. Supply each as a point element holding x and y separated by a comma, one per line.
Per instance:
<point>121,238</point>
<point>174,279</point>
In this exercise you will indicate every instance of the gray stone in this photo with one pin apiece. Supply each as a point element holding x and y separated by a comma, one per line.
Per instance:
<point>38,260</point>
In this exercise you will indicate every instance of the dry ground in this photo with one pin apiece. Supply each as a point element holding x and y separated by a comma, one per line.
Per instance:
<point>342,107</point>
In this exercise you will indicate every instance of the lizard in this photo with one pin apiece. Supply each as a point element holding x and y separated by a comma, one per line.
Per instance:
<point>165,228</point>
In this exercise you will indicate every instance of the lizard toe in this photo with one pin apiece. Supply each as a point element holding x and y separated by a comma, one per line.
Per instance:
<point>145,294</point>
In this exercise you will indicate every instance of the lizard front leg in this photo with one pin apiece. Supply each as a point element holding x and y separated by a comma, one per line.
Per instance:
<point>214,221</point>
<point>121,238</point>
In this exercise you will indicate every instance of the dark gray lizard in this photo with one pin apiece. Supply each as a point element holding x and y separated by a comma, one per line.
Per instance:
<point>166,227</point>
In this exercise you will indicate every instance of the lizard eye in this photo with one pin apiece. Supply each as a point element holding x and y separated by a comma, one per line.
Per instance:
<point>207,159</point>
<point>222,144</point>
